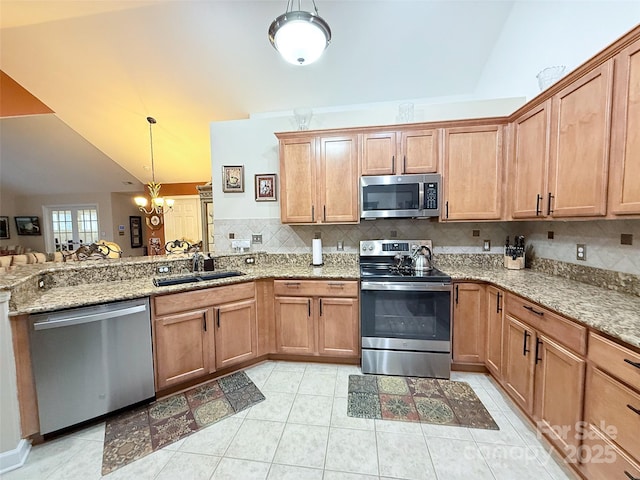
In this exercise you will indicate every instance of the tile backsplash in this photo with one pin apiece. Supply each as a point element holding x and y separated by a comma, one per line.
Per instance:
<point>602,238</point>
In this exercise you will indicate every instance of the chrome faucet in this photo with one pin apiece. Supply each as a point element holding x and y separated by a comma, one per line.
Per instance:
<point>196,261</point>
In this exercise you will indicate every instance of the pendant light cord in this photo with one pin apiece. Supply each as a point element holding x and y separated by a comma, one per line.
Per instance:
<point>151,121</point>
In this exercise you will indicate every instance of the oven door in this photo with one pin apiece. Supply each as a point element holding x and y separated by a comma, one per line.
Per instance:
<point>412,316</point>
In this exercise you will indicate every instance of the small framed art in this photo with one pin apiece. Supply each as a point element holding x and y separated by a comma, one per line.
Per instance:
<point>28,225</point>
<point>265,185</point>
<point>233,178</point>
<point>4,228</point>
<point>135,231</point>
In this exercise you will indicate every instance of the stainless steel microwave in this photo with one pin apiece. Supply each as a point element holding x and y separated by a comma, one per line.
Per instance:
<point>400,196</point>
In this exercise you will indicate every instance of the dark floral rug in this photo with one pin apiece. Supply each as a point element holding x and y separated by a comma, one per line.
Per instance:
<point>139,432</point>
<point>411,399</point>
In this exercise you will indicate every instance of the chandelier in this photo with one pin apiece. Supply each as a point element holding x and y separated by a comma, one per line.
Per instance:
<point>300,36</point>
<point>157,202</point>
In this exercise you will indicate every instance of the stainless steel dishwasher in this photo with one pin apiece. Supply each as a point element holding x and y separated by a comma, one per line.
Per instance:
<point>91,361</point>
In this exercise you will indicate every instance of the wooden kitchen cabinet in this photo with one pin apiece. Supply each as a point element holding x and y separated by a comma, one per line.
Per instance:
<point>579,146</point>
<point>529,168</point>
<point>407,151</point>
<point>495,328</point>
<point>319,179</point>
<point>197,332</point>
<point>612,410</point>
<point>518,363</point>
<point>624,173</point>
<point>469,323</point>
<point>317,318</point>
<point>472,177</point>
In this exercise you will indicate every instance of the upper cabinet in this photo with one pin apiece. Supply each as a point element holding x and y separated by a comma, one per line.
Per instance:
<point>624,173</point>
<point>579,155</point>
<point>319,179</point>
<point>472,176</point>
<point>400,152</point>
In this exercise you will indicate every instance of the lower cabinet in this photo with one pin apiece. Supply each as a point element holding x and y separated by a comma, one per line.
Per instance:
<point>469,323</point>
<point>317,318</point>
<point>198,332</point>
<point>495,328</point>
<point>544,376</point>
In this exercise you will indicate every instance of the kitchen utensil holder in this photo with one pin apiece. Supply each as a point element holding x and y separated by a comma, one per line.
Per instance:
<point>511,264</point>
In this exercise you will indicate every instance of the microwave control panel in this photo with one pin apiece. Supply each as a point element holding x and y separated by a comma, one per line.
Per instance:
<point>431,196</point>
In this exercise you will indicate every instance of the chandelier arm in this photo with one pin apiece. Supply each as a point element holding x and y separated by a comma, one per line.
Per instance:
<point>315,7</point>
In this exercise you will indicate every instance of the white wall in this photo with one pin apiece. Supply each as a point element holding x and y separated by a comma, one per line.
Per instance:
<point>540,34</point>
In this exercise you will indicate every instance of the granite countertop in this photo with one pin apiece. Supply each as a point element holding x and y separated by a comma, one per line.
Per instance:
<point>611,312</point>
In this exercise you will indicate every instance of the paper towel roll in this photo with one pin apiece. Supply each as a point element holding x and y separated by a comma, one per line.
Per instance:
<point>317,251</point>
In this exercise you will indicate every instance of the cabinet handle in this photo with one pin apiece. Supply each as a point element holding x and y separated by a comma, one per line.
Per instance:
<point>320,307</point>
<point>204,322</point>
<point>309,308</point>
<point>631,477</point>
<point>633,409</point>
<point>498,307</point>
<point>324,213</point>
<point>538,343</point>
<point>393,164</point>
<point>292,284</point>
<point>336,284</point>
<point>635,364</point>
<point>456,294</point>
<point>533,310</point>
<point>549,211</point>
<point>313,213</point>
<point>446,209</point>
<point>525,350</point>
<point>404,164</point>
<point>538,199</point>
<point>218,317</point>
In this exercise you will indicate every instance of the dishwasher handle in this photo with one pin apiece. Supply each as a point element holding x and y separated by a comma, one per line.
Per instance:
<point>96,317</point>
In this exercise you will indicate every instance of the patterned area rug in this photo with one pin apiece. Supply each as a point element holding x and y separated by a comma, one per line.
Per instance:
<point>137,433</point>
<point>410,399</point>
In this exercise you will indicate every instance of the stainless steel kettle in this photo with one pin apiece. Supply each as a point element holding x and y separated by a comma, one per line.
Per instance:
<point>423,259</point>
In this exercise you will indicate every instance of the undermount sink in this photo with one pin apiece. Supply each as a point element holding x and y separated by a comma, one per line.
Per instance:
<point>194,277</point>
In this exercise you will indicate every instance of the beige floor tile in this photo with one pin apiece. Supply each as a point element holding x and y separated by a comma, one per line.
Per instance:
<point>275,407</point>
<point>391,426</point>
<point>302,445</point>
<point>46,458</point>
<point>329,475</point>
<point>446,431</point>
<point>288,472</point>
<point>145,468</point>
<point>189,466</point>
<point>286,381</point>
<point>235,469</point>
<point>340,419</point>
<point>256,440</point>
<point>507,435</point>
<point>289,366</point>
<point>93,432</point>
<point>458,459</point>
<point>353,451</point>
<point>402,455</point>
<point>86,464</point>
<point>508,462</point>
<point>311,410</point>
<point>214,439</point>
<point>317,383</point>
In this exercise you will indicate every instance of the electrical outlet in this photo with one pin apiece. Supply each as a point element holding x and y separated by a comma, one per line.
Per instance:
<point>250,260</point>
<point>475,233</point>
<point>163,269</point>
<point>41,282</point>
<point>486,247</point>
<point>626,239</point>
<point>256,238</point>
<point>232,236</point>
<point>340,245</point>
<point>394,234</point>
<point>581,251</point>
<point>550,235</point>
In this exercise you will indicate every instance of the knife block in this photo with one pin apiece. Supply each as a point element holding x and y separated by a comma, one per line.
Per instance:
<point>511,264</point>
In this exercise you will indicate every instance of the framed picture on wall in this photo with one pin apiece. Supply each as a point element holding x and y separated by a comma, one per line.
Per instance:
<point>233,178</point>
<point>4,228</point>
<point>28,225</point>
<point>135,231</point>
<point>265,185</point>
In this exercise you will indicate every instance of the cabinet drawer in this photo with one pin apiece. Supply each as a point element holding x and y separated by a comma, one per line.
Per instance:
<point>565,331</point>
<point>315,288</point>
<point>179,302</point>
<point>615,359</point>
<point>611,404</point>
<point>603,460</point>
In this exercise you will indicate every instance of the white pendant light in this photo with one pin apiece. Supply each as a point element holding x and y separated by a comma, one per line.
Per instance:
<point>300,36</point>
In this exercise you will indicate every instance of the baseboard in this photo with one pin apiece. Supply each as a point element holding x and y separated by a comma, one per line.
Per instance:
<point>14,458</point>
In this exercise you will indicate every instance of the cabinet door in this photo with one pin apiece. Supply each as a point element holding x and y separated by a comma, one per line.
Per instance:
<point>495,324</point>
<point>338,327</point>
<point>624,173</point>
<point>339,180</point>
<point>518,362</point>
<point>579,157</point>
<point>294,325</point>
<point>182,347</point>
<point>469,323</point>
<point>379,152</point>
<point>473,173</point>
<point>559,387</point>
<point>298,180</point>
<point>236,335</point>
<point>419,151</point>
<point>530,162</point>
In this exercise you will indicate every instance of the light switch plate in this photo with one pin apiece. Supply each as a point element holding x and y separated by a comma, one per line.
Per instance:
<point>256,238</point>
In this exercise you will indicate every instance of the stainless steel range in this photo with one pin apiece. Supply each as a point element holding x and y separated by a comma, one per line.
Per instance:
<point>405,312</point>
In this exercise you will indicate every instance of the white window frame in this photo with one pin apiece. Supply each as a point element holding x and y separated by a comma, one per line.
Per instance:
<point>49,238</point>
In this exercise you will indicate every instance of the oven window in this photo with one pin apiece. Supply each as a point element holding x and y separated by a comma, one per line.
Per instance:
<point>391,197</point>
<point>406,315</point>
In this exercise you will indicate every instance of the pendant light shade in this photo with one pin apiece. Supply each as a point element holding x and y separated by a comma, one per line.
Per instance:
<point>300,36</point>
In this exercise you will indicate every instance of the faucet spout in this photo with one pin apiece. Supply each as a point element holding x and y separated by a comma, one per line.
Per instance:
<point>196,262</point>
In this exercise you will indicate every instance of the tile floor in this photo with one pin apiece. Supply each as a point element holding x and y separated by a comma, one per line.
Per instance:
<point>302,431</point>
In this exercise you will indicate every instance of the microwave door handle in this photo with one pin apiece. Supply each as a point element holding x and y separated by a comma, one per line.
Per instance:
<point>421,196</point>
